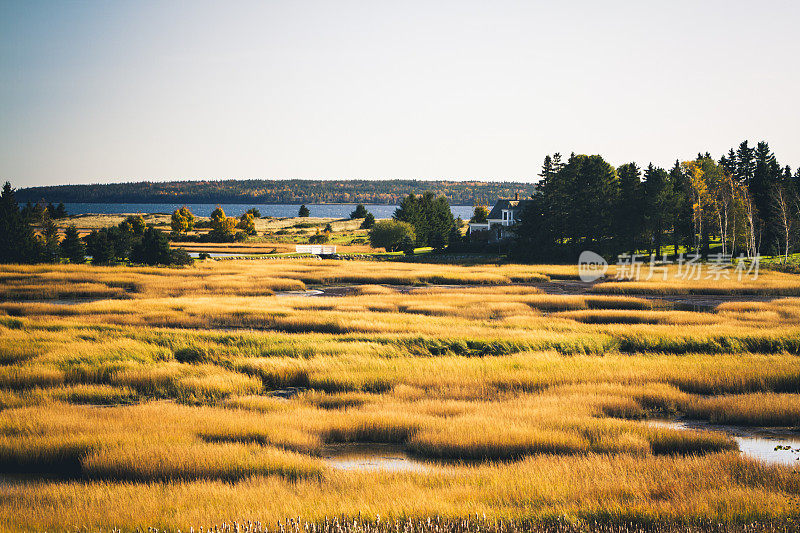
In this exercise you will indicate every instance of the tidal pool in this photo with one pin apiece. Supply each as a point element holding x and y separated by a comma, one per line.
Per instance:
<point>309,292</point>
<point>769,445</point>
<point>371,457</point>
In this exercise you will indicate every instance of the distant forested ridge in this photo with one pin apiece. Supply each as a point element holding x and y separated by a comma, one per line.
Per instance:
<point>389,192</point>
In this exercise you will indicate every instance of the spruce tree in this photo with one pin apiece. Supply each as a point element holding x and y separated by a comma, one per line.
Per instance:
<point>17,241</point>
<point>72,247</point>
<point>682,226</point>
<point>359,212</point>
<point>658,202</point>
<point>629,218</point>
<point>153,249</point>
<point>52,251</point>
<point>745,163</point>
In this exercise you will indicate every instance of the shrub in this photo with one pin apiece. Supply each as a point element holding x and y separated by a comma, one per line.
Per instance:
<point>319,238</point>
<point>390,234</point>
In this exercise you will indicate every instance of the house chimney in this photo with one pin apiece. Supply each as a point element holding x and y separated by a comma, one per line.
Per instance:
<point>516,196</point>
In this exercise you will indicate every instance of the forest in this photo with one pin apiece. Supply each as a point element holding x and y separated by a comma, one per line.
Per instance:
<point>386,192</point>
<point>744,203</point>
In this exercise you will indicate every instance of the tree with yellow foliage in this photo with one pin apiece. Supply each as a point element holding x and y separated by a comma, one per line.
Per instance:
<point>182,220</point>
<point>700,198</point>
<point>221,225</point>
<point>247,223</point>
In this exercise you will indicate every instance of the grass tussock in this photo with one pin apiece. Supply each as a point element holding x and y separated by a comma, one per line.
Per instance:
<point>227,461</point>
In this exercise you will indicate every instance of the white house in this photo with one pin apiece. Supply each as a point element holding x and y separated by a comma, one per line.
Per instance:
<point>504,214</point>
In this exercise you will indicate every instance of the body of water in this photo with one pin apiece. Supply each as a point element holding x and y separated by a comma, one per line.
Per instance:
<point>371,457</point>
<point>235,210</point>
<point>769,445</point>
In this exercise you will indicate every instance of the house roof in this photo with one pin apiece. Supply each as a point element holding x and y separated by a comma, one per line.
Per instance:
<point>504,203</point>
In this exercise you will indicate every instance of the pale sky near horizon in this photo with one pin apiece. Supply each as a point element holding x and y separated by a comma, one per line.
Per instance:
<point>95,91</point>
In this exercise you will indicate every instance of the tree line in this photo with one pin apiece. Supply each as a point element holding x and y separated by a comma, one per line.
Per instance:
<point>386,192</point>
<point>745,202</point>
<point>131,240</point>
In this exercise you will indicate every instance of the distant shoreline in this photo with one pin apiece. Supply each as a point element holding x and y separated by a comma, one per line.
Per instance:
<point>274,210</point>
<point>276,192</point>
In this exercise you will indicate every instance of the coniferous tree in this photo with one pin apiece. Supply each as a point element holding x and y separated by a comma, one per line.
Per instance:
<point>629,219</point>
<point>430,216</point>
<point>153,249</point>
<point>359,212</point>
<point>303,212</point>
<point>745,163</point>
<point>682,224</point>
<point>51,252</point>
<point>369,221</point>
<point>583,198</point>
<point>659,203</point>
<point>72,247</point>
<point>100,247</point>
<point>17,241</point>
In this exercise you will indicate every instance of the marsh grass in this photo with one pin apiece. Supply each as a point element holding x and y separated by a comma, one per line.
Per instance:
<point>226,461</point>
<point>523,404</point>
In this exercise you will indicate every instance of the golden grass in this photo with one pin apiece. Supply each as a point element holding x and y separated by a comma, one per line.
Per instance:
<point>588,486</point>
<point>767,283</point>
<point>155,405</point>
<point>228,461</point>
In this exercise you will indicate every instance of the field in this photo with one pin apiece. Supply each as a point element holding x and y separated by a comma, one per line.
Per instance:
<point>177,398</point>
<point>273,235</point>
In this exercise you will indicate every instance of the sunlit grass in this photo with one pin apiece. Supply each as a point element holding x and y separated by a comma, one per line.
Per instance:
<point>185,394</point>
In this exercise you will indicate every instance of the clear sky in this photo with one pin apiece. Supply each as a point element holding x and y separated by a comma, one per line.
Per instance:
<point>129,90</point>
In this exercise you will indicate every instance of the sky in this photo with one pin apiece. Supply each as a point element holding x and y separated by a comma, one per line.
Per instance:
<point>98,91</point>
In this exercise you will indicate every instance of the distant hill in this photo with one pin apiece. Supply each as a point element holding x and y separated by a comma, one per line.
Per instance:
<point>275,191</point>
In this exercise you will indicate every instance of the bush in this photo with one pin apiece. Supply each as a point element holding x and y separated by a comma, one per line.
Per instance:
<point>390,234</point>
<point>319,238</point>
<point>303,212</point>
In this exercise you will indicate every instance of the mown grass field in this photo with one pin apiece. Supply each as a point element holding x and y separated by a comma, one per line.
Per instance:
<point>138,397</point>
